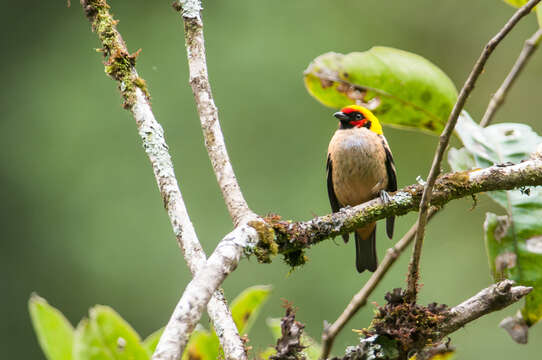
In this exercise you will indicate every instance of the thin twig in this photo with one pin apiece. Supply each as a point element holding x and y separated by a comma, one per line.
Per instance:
<point>360,299</point>
<point>413,276</point>
<point>498,98</point>
<point>135,98</point>
<point>208,113</point>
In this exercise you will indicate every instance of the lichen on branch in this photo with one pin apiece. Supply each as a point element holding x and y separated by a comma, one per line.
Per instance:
<point>291,237</point>
<point>119,63</point>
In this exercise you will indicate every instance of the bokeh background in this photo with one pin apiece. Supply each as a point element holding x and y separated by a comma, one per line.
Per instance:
<point>83,223</point>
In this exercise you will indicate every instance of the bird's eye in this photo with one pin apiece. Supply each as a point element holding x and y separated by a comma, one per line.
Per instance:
<point>359,116</point>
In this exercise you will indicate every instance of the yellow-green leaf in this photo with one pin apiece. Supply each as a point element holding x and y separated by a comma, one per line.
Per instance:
<point>516,3</point>
<point>246,306</point>
<point>54,331</point>
<point>274,326</point>
<point>106,335</point>
<point>267,353</point>
<point>403,89</point>
<point>203,345</point>
<point>520,3</point>
<point>152,340</point>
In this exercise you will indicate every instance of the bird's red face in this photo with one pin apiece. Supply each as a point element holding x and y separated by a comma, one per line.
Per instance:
<point>352,116</point>
<point>355,116</point>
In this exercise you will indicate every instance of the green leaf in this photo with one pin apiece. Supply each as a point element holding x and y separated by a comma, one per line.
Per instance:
<point>313,349</point>
<point>274,325</point>
<point>151,341</point>
<point>499,144</point>
<point>88,345</point>
<point>403,89</point>
<point>515,257</point>
<point>246,306</point>
<point>54,331</point>
<point>520,3</point>
<point>203,345</point>
<point>516,3</point>
<point>106,336</point>
<point>447,355</point>
<point>513,241</point>
<point>267,353</point>
<point>460,159</point>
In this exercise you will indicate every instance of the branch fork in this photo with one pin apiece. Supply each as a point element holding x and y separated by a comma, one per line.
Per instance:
<point>210,273</point>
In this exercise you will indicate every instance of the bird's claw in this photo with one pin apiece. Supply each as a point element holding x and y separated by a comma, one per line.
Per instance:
<point>384,196</point>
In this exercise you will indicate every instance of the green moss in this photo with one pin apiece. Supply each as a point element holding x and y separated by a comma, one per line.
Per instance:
<point>295,258</point>
<point>266,246</point>
<point>411,325</point>
<point>119,63</point>
<point>282,237</point>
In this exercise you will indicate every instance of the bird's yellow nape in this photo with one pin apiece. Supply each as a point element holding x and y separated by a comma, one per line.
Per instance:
<point>375,123</point>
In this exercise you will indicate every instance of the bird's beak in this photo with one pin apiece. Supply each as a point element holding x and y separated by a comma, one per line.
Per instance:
<point>341,116</point>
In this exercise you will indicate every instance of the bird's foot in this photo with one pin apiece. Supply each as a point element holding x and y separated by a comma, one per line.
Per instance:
<point>384,196</point>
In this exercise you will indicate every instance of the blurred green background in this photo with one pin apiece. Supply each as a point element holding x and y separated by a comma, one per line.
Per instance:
<point>83,222</point>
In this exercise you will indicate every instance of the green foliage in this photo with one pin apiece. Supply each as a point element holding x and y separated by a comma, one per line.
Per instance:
<point>105,335</point>
<point>446,355</point>
<point>203,345</point>
<point>516,3</point>
<point>514,241</point>
<point>54,331</point>
<point>403,89</point>
<point>151,341</point>
<point>246,306</point>
<point>520,3</point>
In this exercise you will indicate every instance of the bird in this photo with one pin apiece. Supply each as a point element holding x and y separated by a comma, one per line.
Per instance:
<point>359,168</point>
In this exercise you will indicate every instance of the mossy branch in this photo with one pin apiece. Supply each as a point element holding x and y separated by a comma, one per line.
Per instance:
<point>291,237</point>
<point>119,63</point>
<point>401,328</point>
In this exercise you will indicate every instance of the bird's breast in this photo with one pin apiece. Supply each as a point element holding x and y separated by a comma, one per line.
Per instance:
<point>358,164</point>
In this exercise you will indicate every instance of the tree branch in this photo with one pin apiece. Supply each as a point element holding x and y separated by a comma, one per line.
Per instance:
<point>295,236</point>
<point>360,299</point>
<point>121,66</point>
<point>496,297</point>
<point>413,276</point>
<point>493,298</point>
<point>531,44</point>
<point>188,311</point>
<point>208,112</point>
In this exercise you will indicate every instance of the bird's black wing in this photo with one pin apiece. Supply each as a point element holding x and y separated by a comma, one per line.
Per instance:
<point>335,206</point>
<point>392,185</point>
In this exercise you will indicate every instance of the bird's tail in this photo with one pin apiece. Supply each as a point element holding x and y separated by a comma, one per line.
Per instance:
<point>366,248</point>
